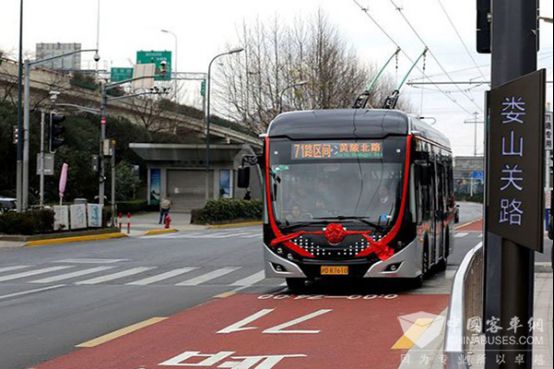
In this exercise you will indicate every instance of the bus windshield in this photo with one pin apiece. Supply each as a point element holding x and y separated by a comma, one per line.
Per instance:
<point>357,181</point>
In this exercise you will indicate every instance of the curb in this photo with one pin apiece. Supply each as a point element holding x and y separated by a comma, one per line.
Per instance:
<point>94,237</point>
<point>543,267</point>
<point>152,232</point>
<point>235,225</point>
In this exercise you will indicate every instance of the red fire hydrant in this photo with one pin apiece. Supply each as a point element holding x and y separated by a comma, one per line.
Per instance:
<point>167,221</point>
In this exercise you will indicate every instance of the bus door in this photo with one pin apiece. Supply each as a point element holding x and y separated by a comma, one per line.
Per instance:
<point>433,210</point>
<point>440,213</point>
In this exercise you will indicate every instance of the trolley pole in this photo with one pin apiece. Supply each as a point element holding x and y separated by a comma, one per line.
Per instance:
<point>509,267</point>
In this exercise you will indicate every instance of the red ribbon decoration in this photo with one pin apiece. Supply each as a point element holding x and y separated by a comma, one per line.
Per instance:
<point>335,233</point>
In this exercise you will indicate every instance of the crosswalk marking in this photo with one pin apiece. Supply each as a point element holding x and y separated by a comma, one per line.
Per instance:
<point>89,261</point>
<point>29,292</point>
<point>10,277</point>
<point>461,234</point>
<point>250,280</point>
<point>161,277</point>
<point>15,267</point>
<point>79,273</point>
<point>208,276</point>
<point>111,277</point>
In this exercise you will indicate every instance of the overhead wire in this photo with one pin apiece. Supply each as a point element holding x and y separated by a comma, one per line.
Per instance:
<point>399,9</point>
<point>461,39</point>
<point>391,39</point>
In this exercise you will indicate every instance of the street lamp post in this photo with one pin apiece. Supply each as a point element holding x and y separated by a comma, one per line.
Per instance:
<point>207,113</point>
<point>292,85</point>
<point>175,81</point>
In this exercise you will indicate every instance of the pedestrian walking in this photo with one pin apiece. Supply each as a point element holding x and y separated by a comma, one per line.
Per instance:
<point>165,206</point>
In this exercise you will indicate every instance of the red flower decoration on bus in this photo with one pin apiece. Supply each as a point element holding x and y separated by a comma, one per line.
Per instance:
<point>335,233</point>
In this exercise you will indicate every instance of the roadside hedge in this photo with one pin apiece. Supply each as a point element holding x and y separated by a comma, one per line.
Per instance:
<point>223,210</point>
<point>28,223</point>
<point>135,206</point>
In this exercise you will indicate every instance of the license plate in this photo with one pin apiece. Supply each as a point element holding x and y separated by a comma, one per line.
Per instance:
<point>334,270</point>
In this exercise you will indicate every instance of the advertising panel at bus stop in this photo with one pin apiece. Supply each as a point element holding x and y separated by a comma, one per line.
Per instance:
<point>516,160</point>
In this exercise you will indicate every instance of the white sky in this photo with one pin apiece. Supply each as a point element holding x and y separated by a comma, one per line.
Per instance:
<point>205,27</point>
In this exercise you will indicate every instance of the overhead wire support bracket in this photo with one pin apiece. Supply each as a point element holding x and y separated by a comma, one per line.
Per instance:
<point>392,99</point>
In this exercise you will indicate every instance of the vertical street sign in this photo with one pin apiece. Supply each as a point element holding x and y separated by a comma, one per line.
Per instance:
<point>516,160</point>
<point>158,58</point>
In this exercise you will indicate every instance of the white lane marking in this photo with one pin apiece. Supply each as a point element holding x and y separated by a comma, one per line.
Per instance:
<point>15,267</point>
<point>61,277</point>
<point>255,235</point>
<point>237,234</point>
<point>10,277</point>
<point>28,292</point>
<point>208,276</point>
<point>461,234</point>
<point>162,276</point>
<point>250,280</point>
<point>111,277</point>
<point>89,261</point>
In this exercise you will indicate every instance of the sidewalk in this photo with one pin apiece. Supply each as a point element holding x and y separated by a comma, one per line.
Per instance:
<point>144,222</point>
<point>542,348</point>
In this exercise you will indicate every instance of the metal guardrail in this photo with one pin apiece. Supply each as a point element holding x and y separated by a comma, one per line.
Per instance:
<point>466,302</point>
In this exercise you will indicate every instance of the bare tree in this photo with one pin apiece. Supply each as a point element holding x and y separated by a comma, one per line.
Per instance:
<point>255,85</point>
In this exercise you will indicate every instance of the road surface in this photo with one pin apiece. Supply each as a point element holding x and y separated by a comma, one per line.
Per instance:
<point>184,288</point>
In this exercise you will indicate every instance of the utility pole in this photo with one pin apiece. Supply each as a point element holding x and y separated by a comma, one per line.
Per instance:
<point>475,122</point>
<point>509,267</point>
<point>19,172</point>
<point>42,124</point>
<point>28,65</point>
<point>101,163</point>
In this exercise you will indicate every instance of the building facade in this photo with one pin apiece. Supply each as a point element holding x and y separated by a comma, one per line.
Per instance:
<point>178,171</point>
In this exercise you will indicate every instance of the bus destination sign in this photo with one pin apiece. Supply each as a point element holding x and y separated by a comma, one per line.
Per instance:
<point>337,150</point>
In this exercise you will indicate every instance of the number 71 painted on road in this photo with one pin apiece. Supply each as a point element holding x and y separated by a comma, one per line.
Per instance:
<point>278,329</point>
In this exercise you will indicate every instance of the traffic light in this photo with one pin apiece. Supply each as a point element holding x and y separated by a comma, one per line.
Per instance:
<point>15,135</point>
<point>484,20</point>
<point>57,131</point>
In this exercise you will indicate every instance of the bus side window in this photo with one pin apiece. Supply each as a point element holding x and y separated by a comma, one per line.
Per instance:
<point>421,190</point>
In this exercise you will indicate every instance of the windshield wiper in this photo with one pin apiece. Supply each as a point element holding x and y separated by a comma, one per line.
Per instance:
<point>354,217</point>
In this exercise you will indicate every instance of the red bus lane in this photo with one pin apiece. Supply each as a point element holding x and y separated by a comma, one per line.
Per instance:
<point>267,332</point>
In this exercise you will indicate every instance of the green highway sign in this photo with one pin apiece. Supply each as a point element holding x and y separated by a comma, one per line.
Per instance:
<point>118,74</point>
<point>157,58</point>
